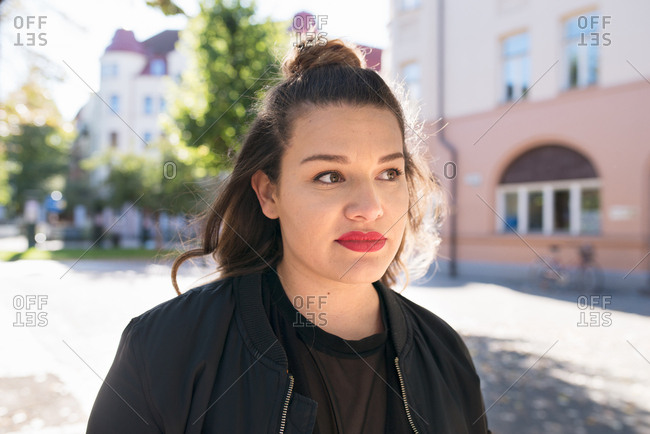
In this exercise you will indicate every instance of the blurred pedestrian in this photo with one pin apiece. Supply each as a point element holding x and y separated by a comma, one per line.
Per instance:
<point>98,226</point>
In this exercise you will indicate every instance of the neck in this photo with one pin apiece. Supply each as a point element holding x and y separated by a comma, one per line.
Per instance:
<point>348,310</point>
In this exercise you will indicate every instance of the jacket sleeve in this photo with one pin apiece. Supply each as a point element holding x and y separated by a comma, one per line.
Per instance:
<point>123,403</point>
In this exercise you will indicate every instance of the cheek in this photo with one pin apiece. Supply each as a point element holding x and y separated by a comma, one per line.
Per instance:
<point>398,199</point>
<point>302,214</point>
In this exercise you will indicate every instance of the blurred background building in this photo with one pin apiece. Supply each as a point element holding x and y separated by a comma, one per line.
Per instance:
<point>547,137</point>
<point>125,116</point>
<point>132,90</point>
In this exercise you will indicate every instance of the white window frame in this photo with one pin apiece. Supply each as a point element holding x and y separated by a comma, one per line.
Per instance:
<point>109,70</point>
<point>412,75</point>
<point>147,105</point>
<point>114,103</point>
<point>158,67</point>
<point>408,5</point>
<point>575,187</point>
<point>585,50</point>
<point>522,61</point>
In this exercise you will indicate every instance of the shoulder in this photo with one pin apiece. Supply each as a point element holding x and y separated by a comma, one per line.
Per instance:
<point>436,333</point>
<point>182,320</point>
<point>194,301</point>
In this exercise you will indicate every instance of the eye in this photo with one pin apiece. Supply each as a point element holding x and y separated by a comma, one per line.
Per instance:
<point>391,174</point>
<point>329,177</point>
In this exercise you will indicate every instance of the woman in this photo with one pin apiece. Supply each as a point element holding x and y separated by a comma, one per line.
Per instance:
<point>301,333</point>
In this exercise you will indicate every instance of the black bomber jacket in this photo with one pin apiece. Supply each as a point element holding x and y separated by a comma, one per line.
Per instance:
<point>209,362</point>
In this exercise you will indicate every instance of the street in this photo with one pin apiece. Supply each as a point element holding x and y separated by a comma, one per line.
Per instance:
<point>549,363</point>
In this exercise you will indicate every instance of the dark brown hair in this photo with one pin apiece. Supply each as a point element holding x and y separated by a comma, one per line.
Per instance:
<point>240,238</point>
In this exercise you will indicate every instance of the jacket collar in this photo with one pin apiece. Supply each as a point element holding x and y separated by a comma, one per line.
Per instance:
<point>248,294</point>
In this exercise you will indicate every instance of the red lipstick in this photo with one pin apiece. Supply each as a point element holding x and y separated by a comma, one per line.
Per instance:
<point>362,242</point>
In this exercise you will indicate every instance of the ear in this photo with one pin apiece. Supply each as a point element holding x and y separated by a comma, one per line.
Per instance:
<point>266,194</point>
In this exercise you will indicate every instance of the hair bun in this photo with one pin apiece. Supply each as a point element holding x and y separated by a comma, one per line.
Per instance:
<point>312,53</point>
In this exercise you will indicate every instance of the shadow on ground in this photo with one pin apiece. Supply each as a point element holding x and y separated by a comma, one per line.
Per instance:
<point>629,302</point>
<point>546,399</point>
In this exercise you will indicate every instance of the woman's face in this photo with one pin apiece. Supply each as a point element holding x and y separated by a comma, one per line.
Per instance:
<point>342,196</point>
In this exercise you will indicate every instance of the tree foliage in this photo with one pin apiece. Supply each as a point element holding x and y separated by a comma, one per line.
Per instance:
<point>162,179</point>
<point>231,59</point>
<point>34,145</point>
<point>167,7</point>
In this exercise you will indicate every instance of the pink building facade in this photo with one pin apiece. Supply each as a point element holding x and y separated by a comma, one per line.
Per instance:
<point>547,139</point>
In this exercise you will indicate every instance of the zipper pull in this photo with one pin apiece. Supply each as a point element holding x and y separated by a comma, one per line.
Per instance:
<point>285,407</point>
<point>403,388</point>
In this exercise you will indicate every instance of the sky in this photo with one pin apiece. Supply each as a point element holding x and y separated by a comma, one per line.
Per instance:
<point>69,36</point>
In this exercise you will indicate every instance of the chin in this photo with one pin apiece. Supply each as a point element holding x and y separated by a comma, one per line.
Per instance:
<point>361,273</point>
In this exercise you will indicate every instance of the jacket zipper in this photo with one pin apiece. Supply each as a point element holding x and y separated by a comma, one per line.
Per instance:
<point>406,406</point>
<point>285,408</point>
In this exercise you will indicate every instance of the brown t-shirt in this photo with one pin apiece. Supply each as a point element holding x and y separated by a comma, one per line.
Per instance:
<point>354,382</point>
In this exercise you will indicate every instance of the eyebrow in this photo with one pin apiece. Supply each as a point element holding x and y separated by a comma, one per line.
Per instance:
<point>344,160</point>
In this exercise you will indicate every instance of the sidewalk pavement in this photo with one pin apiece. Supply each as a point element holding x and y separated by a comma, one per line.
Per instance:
<point>552,362</point>
<point>548,363</point>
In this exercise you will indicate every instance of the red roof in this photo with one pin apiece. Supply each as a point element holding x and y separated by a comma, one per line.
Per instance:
<point>153,48</point>
<point>157,45</point>
<point>373,57</point>
<point>162,43</point>
<point>124,40</point>
<point>304,22</point>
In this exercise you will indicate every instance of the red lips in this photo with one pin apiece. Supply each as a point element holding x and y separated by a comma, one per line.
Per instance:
<point>362,242</point>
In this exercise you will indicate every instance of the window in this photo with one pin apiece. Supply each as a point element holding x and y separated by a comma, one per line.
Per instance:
<point>582,36</point>
<point>163,104</point>
<point>113,139</point>
<point>412,80</point>
<point>516,66</point>
<point>561,210</point>
<point>147,137</point>
<point>158,67</point>
<point>590,211</point>
<point>148,105</point>
<point>550,189</point>
<point>114,103</point>
<point>511,212</point>
<point>535,209</point>
<point>407,5</point>
<point>109,70</point>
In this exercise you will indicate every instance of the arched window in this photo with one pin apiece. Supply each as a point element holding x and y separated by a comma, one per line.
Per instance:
<point>550,189</point>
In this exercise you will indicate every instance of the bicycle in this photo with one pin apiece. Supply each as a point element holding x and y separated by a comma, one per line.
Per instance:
<point>587,277</point>
<point>550,272</point>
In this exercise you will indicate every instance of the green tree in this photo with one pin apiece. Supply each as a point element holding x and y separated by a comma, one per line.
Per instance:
<point>231,59</point>
<point>167,7</point>
<point>5,191</point>
<point>34,145</point>
<point>161,180</point>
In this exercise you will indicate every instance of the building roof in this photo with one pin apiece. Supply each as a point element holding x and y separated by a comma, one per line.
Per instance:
<point>162,43</point>
<point>157,45</point>
<point>305,22</point>
<point>124,40</point>
<point>373,57</point>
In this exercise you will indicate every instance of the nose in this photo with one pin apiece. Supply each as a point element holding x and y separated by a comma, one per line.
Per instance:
<point>364,203</point>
